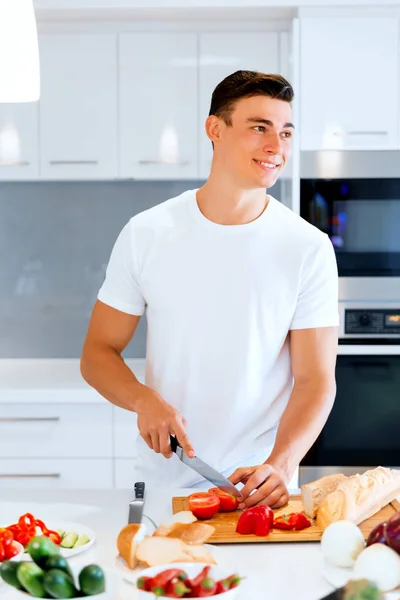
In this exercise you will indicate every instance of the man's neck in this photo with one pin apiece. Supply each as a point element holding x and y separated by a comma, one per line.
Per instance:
<point>228,206</point>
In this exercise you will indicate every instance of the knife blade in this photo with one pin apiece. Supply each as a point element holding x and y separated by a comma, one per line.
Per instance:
<point>136,505</point>
<point>204,469</point>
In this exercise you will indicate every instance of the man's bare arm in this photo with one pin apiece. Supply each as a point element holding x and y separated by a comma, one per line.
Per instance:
<point>313,357</point>
<point>102,365</point>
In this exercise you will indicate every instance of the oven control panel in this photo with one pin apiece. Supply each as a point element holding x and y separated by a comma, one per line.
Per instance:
<point>374,321</point>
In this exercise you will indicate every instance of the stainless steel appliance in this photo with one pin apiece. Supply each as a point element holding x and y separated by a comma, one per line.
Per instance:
<point>362,218</point>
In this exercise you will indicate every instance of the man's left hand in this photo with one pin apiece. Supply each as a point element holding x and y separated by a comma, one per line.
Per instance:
<point>267,483</point>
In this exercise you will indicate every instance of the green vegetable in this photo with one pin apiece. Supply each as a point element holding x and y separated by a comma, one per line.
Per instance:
<point>31,578</point>
<point>362,589</point>
<point>92,580</point>
<point>40,548</point>
<point>82,540</point>
<point>57,562</point>
<point>61,532</point>
<point>69,539</point>
<point>8,572</point>
<point>58,584</point>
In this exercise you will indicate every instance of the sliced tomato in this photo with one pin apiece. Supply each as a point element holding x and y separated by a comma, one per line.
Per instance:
<point>204,505</point>
<point>11,550</point>
<point>227,501</point>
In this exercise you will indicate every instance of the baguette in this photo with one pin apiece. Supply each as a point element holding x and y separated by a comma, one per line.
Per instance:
<point>154,551</point>
<point>359,497</point>
<point>314,492</point>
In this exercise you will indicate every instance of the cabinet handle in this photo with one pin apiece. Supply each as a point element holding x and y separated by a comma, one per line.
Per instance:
<point>29,475</point>
<point>20,163</point>
<point>164,162</point>
<point>367,133</point>
<point>73,162</point>
<point>27,419</point>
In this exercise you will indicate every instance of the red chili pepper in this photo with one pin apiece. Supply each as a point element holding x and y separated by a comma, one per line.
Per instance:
<point>199,578</point>
<point>162,579</point>
<point>292,522</point>
<point>256,520</point>
<point>176,588</point>
<point>208,587</point>
<point>144,583</point>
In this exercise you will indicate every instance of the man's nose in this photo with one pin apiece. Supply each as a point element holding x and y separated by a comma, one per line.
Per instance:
<point>273,144</point>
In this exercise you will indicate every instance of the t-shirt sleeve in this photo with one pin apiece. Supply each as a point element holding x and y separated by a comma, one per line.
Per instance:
<point>121,287</point>
<point>317,301</point>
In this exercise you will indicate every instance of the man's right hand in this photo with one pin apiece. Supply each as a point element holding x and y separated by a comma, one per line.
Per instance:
<point>157,420</point>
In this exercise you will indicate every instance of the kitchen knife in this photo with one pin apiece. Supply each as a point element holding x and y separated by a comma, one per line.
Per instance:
<point>204,469</point>
<point>136,506</point>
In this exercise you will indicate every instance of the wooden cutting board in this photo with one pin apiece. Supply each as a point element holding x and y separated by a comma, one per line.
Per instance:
<point>225,524</point>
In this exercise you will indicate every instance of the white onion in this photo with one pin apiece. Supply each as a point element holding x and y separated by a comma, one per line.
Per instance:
<point>341,543</point>
<point>379,564</point>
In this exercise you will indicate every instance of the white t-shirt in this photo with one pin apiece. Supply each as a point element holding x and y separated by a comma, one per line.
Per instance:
<point>220,301</point>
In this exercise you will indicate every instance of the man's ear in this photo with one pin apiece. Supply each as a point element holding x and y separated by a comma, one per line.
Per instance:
<point>213,128</point>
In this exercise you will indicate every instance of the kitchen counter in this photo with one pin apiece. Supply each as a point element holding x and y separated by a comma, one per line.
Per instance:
<point>273,571</point>
<point>51,380</point>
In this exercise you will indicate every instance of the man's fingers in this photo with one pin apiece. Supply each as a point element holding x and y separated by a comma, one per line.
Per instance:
<point>148,441</point>
<point>281,501</point>
<point>255,481</point>
<point>165,444</point>
<point>263,493</point>
<point>240,475</point>
<point>184,441</point>
<point>155,441</point>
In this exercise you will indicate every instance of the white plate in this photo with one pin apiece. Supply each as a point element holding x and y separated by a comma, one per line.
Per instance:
<point>339,576</point>
<point>67,526</point>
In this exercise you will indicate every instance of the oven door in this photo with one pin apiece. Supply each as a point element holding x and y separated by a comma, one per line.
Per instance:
<point>363,428</point>
<point>361,218</point>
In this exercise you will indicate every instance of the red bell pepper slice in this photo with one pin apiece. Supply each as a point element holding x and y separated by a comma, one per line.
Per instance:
<point>256,520</point>
<point>292,522</point>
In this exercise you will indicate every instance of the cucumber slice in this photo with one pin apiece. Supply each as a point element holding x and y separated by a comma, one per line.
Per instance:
<point>69,539</point>
<point>82,540</point>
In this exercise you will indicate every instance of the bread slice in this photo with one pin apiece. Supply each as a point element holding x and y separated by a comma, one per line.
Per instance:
<point>154,551</point>
<point>314,492</point>
<point>359,497</point>
<point>127,541</point>
<point>184,516</point>
<point>192,533</point>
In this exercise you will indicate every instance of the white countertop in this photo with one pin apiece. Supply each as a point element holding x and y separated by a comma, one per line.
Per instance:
<point>273,571</point>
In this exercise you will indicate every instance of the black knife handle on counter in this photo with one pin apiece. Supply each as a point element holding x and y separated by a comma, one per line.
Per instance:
<point>139,490</point>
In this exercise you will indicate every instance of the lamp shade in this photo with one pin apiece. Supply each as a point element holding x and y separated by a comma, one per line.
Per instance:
<point>19,52</point>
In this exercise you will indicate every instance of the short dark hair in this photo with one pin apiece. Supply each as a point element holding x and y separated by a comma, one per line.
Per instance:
<point>245,84</point>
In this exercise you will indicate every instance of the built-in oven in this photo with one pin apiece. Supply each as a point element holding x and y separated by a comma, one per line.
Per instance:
<point>363,428</point>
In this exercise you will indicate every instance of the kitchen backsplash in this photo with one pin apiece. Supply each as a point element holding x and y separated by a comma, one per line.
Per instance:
<point>55,242</point>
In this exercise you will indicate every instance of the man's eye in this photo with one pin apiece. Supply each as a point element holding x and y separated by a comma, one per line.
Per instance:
<point>287,134</point>
<point>259,128</point>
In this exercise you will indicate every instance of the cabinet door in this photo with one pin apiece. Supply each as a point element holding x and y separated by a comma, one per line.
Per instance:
<point>222,54</point>
<point>349,80</point>
<point>158,105</point>
<point>54,473</point>
<point>19,144</point>
<point>125,433</point>
<point>78,106</point>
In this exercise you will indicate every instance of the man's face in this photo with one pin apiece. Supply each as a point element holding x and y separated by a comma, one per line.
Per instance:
<point>256,147</point>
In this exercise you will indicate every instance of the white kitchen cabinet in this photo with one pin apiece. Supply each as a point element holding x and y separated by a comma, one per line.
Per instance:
<point>59,430</point>
<point>78,106</point>
<point>349,83</point>
<point>158,105</point>
<point>125,473</point>
<point>56,473</point>
<point>125,433</point>
<point>221,54</point>
<point>19,142</point>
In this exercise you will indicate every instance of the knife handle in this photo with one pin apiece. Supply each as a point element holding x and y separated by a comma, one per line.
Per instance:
<point>139,490</point>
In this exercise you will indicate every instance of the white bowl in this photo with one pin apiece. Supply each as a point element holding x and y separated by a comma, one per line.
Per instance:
<point>192,569</point>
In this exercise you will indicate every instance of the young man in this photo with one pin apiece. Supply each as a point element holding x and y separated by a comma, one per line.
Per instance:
<point>241,300</point>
